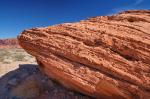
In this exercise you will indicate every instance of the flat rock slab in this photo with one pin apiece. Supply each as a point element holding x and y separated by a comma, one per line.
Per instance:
<point>104,57</point>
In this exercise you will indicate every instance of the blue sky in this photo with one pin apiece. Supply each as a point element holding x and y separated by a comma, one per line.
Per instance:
<point>17,15</point>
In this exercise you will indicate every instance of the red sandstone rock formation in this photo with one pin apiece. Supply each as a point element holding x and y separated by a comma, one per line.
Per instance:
<point>9,43</point>
<point>103,57</point>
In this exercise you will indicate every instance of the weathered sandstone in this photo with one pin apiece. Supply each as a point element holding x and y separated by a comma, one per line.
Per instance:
<point>104,57</point>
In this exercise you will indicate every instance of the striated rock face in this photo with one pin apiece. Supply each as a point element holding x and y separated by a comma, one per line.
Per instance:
<point>9,43</point>
<point>104,57</point>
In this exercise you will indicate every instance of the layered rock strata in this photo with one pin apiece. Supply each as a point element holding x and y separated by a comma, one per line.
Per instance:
<point>103,57</point>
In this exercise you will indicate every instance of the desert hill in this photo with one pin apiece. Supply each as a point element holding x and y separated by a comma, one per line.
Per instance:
<point>9,43</point>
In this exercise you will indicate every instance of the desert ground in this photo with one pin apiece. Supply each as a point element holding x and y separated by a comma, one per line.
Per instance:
<point>10,58</point>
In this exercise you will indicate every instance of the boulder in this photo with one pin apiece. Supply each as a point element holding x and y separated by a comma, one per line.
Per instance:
<point>105,57</point>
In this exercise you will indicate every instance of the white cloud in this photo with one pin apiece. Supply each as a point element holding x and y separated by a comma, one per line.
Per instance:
<point>137,2</point>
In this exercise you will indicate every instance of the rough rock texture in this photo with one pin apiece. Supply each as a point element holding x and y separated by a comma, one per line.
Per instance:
<point>105,57</point>
<point>9,43</point>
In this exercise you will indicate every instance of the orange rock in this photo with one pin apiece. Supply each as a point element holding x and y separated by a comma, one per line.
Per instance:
<point>104,57</point>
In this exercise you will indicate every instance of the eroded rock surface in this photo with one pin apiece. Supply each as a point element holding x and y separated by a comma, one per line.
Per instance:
<point>103,57</point>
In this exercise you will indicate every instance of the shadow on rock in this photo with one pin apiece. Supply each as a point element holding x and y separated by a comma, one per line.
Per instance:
<point>27,82</point>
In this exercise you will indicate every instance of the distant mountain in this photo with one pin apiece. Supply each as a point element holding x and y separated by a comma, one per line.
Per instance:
<point>9,43</point>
